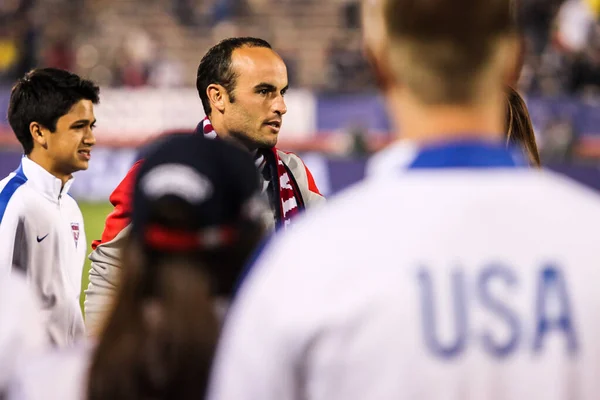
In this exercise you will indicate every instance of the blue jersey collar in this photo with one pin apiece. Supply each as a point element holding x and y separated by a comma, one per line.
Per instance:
<point>466,154</point>
<point>463,154</point>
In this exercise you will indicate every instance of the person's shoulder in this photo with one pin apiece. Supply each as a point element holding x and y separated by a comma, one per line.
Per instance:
<point>406,200</point>
<point>11,184</point>
<point>411,202</point>
<point>303,176</point>
<point>292,160</point>
<point>121,198</point>
<point>12,195</point>
<point>125,187</point>
<point>541,190</point>
<point>4,181</point>
<point>507,189</point>
<point>563,188</point>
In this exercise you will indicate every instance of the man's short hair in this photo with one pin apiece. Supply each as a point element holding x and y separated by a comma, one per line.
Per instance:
<point>440,47</point>
<point>44,95</point>
<point>215,67</point>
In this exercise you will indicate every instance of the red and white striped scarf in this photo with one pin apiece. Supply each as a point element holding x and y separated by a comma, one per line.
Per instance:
<point>289,193</point>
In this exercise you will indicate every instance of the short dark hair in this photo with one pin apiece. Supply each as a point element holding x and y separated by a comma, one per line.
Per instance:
<point>215,67</point>
<point>445,44</point>
<point>44,95</point>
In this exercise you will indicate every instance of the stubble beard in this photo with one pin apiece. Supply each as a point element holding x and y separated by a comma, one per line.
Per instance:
<point>252,143</point>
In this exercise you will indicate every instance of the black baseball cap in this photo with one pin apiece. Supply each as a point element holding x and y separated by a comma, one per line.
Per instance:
<point>193,193</point>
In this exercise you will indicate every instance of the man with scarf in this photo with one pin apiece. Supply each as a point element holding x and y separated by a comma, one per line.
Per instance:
<point>242,83</point>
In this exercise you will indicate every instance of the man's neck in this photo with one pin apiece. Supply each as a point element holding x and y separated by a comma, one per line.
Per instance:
<point>223,133</point>
<point>47,164</point>
<point>424,124</point>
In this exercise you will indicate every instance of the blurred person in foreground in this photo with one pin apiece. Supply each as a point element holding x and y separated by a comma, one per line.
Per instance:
<point>519,128</point>
<point>456,272</point>
<point>42,235</point>
<point>22,333</point>
<point>242,83</point>
<point>197,217</point>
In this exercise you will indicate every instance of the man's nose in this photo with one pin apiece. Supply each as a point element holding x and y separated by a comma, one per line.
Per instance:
<point>279,106</point>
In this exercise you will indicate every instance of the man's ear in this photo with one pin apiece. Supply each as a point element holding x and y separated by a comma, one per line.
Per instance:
<point>39,134</point>
<point>375,66</point>
<point>216,96</point>
<point>380,66</point>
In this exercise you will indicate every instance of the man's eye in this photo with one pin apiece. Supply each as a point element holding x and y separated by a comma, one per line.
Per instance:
<point>264,91</point>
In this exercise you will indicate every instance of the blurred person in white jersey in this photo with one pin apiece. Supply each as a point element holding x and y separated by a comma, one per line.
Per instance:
<point>455,271</point>
<point>197,217</point>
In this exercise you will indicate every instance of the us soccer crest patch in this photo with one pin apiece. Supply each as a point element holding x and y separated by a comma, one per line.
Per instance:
<point>75,230</point>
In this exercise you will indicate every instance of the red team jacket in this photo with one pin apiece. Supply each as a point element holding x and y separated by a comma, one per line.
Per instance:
<point>105,254</point>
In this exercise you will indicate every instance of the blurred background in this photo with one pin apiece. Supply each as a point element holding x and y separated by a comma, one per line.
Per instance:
<point>144,54</point>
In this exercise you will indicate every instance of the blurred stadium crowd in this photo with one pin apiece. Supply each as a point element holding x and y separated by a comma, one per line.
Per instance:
<point>157,43</point>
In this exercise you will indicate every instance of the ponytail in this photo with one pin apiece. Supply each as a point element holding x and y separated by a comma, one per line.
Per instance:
<point>159,340</point>
<point>160,344</point>
<point>519,129</point>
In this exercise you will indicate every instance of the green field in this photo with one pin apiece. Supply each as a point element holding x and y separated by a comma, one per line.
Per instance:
<point>94,215</point>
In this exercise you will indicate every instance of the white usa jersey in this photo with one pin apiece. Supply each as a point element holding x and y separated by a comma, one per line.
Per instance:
<point>42,235</point>
<point>478,281</point>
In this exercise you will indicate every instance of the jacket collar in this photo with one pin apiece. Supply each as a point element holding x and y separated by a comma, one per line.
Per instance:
<point>43,181</point>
